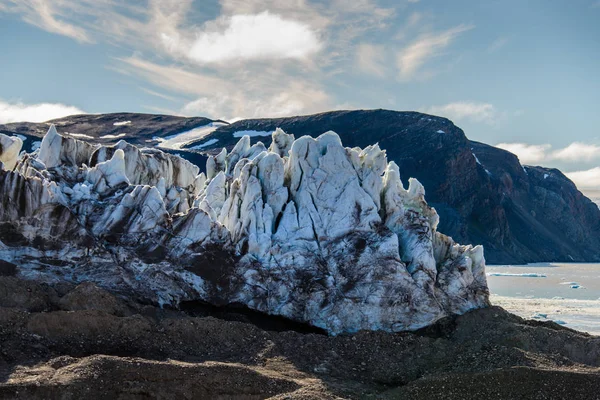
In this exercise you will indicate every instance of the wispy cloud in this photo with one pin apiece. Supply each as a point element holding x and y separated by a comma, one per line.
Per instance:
<point>47,16</point>
<point>527,153</point>
<point>293,99</point>
<point>161,95</point>
<point>414,56</point>
<point>234,98</point>
<point>587,179</point>
<point>466,110</point>
<point>20,112</point>
<point>575,152</point>
<point>497,44</point>
<point>370,59</point>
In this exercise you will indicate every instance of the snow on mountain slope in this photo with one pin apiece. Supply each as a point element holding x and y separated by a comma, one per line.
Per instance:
<point>179,140</point>
<point>306,229</point>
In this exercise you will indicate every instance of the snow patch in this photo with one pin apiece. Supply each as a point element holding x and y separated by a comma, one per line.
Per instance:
<point>205,144</point>
<point>240,134</point>
<point>120,135</point>
<point>441,131</point>
<point>179,140</point>
<point>122,123</point>
<point>529,275</point>
<point>80,135</point>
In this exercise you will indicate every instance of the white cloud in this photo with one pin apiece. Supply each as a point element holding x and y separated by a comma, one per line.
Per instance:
<point>20,112</point>
<point>588,179</point>
<point>575,152</point>
<point>461,110</point>
<point>527,153</point>
<point>588,182</point>
<point>370,59</point>
<point>418,53</point>
<point>497,44</point>
<point>259,36</point>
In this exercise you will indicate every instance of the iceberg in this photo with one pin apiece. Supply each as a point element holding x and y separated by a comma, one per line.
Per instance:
<point>306,229</point>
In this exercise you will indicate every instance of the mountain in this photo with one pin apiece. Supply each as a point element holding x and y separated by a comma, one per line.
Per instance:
<point>483,194</point>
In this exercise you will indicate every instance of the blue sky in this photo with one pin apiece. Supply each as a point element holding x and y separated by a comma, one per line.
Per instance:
<point>520,74</point>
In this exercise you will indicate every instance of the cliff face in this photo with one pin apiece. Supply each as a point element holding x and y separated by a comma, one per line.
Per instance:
<point>547,218</point>
<point>482,193</point>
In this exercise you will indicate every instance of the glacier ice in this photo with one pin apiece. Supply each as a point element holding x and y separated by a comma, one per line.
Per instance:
<point>307,229</point>
<point>10,146</point>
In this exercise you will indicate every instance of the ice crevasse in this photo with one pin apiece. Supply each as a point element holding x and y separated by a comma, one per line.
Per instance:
<point>306,229</point>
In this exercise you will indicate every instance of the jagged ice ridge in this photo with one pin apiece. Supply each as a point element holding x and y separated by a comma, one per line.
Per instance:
<point>306,229</point>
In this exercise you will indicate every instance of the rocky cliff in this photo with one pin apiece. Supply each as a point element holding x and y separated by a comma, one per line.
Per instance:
<point>306,229</point>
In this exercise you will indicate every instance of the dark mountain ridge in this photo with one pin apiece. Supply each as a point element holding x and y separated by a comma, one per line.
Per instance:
<point>483,194</point>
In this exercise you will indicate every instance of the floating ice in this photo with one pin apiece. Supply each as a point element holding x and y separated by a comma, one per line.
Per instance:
<point>528,275</point>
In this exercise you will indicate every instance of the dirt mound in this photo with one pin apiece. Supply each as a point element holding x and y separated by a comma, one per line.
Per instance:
<point>76,342</point>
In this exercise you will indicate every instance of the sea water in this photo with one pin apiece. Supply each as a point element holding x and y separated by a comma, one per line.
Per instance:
<point>566,293</point>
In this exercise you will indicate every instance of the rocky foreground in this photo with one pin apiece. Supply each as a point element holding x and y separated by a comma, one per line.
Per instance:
<point>71,342</point>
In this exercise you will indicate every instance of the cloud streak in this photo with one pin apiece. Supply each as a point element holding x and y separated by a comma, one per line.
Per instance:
<point>588,181</point>
<point>466,110</point>
<point>20,112</point>
<point>575,152</point>
<point>413,57</point>
<point>371,59</point>
<point>527,153</point>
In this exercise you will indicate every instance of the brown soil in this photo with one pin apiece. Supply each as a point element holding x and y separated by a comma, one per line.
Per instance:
<point>66,342</point>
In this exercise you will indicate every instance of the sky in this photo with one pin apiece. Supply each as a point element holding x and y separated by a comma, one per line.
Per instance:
<point>522,75</point>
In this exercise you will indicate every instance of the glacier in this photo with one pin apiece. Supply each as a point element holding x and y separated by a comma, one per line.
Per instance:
<point>306,229</point>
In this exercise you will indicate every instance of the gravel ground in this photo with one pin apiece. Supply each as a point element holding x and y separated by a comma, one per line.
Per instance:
<point>67,342</point>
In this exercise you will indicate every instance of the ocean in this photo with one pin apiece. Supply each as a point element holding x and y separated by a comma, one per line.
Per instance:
<point>566,293</point>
